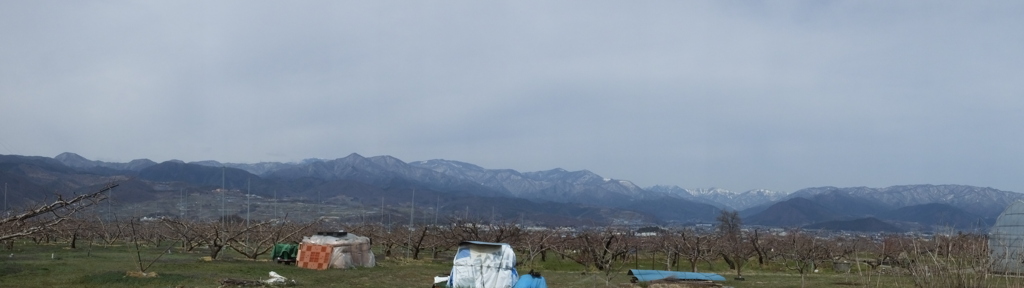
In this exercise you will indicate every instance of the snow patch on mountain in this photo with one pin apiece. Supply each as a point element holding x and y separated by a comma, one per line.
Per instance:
<point>722,197</point>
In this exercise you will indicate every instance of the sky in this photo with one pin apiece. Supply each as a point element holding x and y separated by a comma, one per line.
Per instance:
<point>739,95</point>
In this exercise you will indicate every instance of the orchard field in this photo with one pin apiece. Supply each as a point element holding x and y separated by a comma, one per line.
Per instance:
<point>64,244</point>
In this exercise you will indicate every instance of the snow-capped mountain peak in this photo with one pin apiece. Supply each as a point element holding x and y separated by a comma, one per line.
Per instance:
<point>710,191</point>
<point>723,197</point>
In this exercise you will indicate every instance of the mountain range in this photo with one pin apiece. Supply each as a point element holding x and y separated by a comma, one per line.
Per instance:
<point>382,185</point>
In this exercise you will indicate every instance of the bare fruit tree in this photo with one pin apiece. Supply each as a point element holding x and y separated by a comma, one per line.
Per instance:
<point>459,230</point>
<point>186,231</point>
<point>227,233</point>
<point>960,260</point>
<point>697,246</point>
<point>735,247</point>
<point>44,216</point>
<point>261,236</point>
<point>803,252</point>
<point>537,243</point>
<point>419,236</point>
<point>598,248</point>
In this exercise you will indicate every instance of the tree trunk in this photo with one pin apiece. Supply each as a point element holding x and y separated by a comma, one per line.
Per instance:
<point>215,250</point>
<point>732,265</point>
<point>739,269</point>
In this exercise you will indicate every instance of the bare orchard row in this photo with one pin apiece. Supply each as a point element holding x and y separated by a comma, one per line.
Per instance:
<point>963,257</point>
<point>598,248</point>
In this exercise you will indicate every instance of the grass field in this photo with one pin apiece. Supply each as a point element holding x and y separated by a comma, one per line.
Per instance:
<point>32,265</point>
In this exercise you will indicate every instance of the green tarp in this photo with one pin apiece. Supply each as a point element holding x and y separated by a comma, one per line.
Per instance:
<point>285,251</point>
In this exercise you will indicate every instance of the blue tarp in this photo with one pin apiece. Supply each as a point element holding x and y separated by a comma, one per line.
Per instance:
<point>528,281</point>
<point>651,275</point>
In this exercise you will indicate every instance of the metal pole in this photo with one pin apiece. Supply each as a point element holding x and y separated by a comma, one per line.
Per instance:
<point>110,203</point>
<point>412,210</point>
<point>248,195</point>
<point>412,221</point>
<point>223,191</point>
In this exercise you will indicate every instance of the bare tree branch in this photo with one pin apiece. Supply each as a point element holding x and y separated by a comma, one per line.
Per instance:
<point>42,217</point>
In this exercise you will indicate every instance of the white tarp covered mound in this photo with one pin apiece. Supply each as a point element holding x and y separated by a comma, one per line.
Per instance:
<point>348,251</point>
<point>484,265</point>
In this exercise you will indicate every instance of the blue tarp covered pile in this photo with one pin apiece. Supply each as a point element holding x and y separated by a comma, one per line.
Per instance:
<point>653,275</point>
<point>532,280</point>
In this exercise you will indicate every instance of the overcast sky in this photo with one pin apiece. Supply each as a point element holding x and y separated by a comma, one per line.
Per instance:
<point>738,95</point>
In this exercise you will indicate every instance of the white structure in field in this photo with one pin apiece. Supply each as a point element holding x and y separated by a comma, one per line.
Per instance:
<point>1006,240</point>
<point>484,265</point>
<point>346,250</point>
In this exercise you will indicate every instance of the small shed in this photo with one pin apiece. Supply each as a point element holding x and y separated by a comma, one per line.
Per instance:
<point>1006,240</point>
<point>339,250</point>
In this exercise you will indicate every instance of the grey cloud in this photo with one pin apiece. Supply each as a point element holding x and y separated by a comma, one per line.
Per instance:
<point>736,95</point>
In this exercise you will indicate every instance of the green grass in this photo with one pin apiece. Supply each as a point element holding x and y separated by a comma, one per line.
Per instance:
<point>100,266</point>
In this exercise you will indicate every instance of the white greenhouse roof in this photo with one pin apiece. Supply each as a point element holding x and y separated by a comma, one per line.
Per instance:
<point>1006,240</point>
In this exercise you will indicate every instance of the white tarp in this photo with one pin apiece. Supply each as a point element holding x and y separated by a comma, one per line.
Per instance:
<point>484,265</point>
<point>348,251</point>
